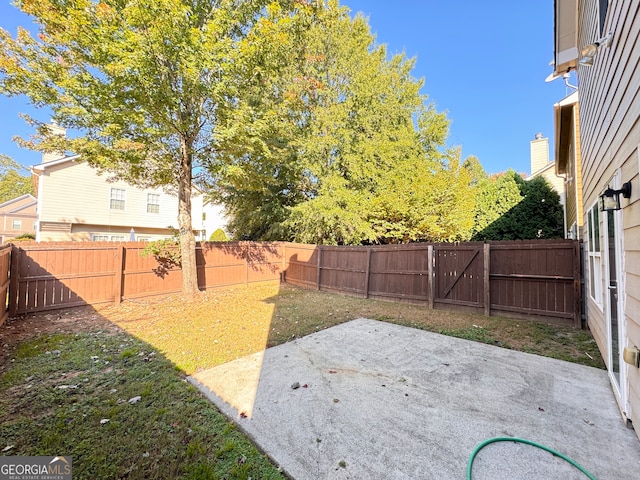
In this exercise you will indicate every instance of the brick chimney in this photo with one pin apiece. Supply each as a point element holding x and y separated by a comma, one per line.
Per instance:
<point>56,130</point>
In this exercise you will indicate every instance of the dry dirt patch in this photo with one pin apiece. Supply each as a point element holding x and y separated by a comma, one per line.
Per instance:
<point>25,327</point>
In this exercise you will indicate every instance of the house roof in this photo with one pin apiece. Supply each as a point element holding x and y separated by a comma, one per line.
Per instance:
<point>26,196</point>
<point>43,166</point>
<point>540,171</point>
<point>72,158</point>
<point>565,23</point>
<point>564,125</point>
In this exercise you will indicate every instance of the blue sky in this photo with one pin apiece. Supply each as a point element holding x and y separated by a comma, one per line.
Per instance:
<point>484,63</point>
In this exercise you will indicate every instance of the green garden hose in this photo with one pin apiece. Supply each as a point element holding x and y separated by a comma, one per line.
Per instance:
<point>528,442</point>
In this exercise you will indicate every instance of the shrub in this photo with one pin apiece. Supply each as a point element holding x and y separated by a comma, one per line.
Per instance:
<point>166,252</point>
<point>218,236</point>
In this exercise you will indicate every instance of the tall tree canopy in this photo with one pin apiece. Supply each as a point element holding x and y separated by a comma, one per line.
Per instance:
<point>147,84</point>
<point>349,151</point>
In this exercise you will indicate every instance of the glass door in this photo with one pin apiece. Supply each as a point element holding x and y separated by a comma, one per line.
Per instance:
<point>614,298</point>
<point>613,313</point>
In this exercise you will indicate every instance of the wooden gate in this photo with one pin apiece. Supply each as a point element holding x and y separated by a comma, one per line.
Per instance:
<point>459,276</point>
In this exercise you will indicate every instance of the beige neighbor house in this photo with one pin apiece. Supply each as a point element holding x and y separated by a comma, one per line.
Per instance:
<point>541,166</point>
<point>598,39</point>
<point>75,203</point>
<point>568,164</point>
<point>18,217</point>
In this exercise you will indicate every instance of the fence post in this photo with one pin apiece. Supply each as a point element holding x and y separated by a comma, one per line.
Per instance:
<point>430,273</point>
<point>319,266</point>
<point>487,279</point>
<point>14,281</point>
<point>283,273</point>
<point>577,285</point>
<point>246,265</point>
<point>367,271</point>
<point>119,275</point>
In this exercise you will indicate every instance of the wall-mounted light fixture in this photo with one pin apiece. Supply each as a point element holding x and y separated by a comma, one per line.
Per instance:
<point>589,52</point>
<point>610,199</point>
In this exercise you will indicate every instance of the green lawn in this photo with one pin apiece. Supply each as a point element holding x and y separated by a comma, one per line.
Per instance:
<point>74,391</point>
<point>121,410</point>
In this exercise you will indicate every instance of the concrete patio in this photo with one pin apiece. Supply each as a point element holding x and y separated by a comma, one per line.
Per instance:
<point>373,400</point>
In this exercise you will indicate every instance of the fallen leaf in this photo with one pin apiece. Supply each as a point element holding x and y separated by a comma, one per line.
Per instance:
<point>243,415</point>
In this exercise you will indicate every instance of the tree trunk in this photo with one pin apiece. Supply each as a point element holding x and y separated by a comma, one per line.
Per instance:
<point>187,239</point>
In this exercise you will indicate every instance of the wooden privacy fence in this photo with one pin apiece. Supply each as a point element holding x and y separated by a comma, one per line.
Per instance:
<point>539,279</point>
<point>5,263</point>
<point>48,276</point>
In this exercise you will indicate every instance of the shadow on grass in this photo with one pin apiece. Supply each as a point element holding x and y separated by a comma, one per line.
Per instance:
<point>117,406</point>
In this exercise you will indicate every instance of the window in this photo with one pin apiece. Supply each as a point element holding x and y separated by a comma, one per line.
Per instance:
<point>117,199</point>
<point>153,203</point>
<point>17,225</point>
<point>604,6</point>
<point>595,268</point>
<point>107,238</point>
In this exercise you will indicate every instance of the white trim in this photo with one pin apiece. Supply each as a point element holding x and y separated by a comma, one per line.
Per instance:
<point>43,166</point>
<point>594,257</point>
<point>17,199</point>
<point>619,386</point>
<point>568,55</point>
<point>39,206</point>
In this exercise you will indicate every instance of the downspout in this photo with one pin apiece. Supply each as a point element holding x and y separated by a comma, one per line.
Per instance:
<point>39,202</point>
<point>564,207</point>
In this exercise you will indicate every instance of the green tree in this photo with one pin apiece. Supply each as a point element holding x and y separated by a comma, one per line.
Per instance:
<point>12,183</point>
<point>150,86</point>
<point>348,151</point>
<point>358,113</point>
<point>416,203</point>
<point>258,172</point>
<point>495,196</point>
<point>515,209</point>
